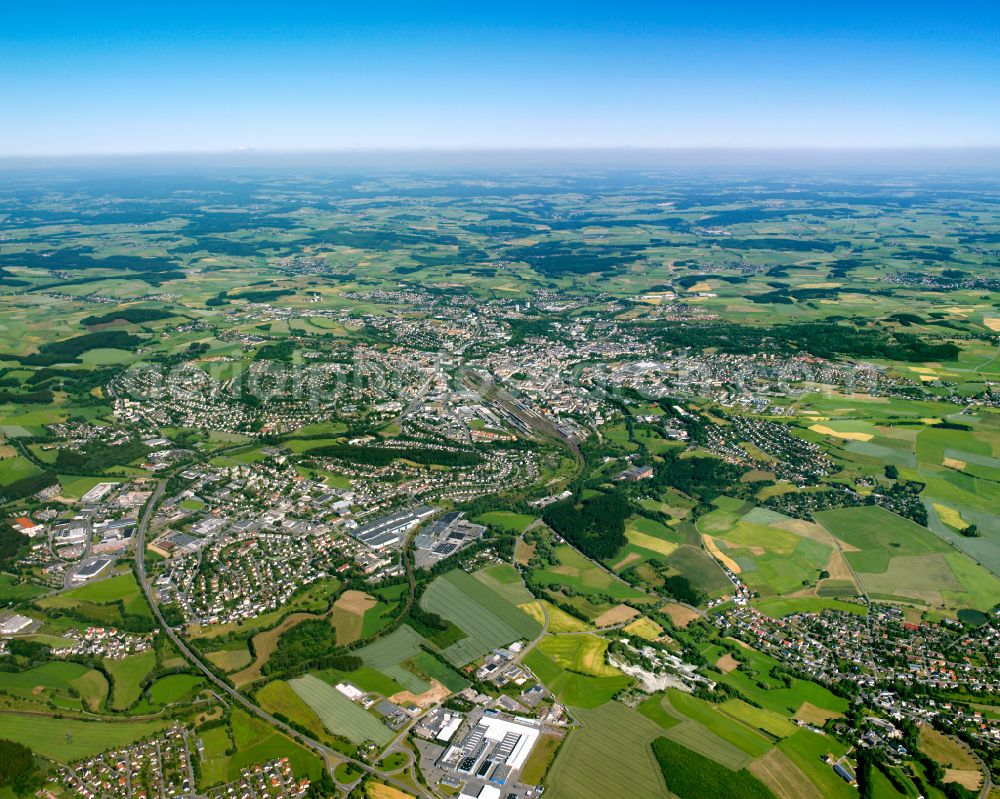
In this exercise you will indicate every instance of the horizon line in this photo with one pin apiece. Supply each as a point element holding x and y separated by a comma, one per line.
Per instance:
<point>670,155</point>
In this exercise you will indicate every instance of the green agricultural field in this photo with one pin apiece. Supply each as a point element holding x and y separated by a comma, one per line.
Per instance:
<point>584,654</point>
<point>377,618</point>
<point>806,750</point>
<point>727,728</point>
<point>900,560</point>
<point>649,538</point>
<point>576,690</point>
<point>581,769</point>
<point>505,520</point>
<point>338,713</point>
<point>279,697</point>
<point>657,708</point>
<point>692,776</point>
<point>879,535</point>
<point>758,718</point>
<point>701,569</point>
<point>429,667</point>
<point>388,654</point>
<point>487,619</point>
<point>505,581</point>
<point>66,740</point>
<point>559,620</point>
<point>366,678</point>
<point>770,559</point>
<point>777,608</point>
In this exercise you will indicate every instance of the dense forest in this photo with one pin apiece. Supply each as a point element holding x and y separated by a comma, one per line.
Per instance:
<point>824,339</point>
<point>691,776</point>
<point>596,528</point>
<point>383,456</point>
<point>132,315</point>
<point>17,768</point>
<point>95,458</point>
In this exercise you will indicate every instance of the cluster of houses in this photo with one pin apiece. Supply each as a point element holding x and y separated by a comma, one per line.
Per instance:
<point>788,456</point>
<point>759,382</point>
<point>882,649</point>
<point>155,767</point>
<point>103,642</point>
<point>272,779</point>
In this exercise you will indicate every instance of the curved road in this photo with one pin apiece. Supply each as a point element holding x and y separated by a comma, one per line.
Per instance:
<point>330,756</point>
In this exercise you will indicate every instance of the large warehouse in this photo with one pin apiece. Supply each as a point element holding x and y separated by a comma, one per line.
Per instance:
<point>389,531</point>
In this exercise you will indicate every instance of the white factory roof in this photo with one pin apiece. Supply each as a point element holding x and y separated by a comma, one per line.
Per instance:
<point>349,691</point>
<point>498,729</point>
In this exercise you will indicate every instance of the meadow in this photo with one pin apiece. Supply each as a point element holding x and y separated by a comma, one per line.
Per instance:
<point>278,696</point>
<point>127,675</point>
<point>55,681</point>
<point>579,573</point>
<point>66,740</point>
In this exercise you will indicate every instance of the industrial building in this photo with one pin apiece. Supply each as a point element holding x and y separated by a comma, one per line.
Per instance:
<point>389,531</point>
<point>444,537</point>
<point>493,750</point>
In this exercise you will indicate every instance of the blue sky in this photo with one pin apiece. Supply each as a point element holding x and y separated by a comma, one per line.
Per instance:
<point>148,77</point>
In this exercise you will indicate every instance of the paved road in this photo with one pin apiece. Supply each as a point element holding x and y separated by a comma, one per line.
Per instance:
<point>331,757</point>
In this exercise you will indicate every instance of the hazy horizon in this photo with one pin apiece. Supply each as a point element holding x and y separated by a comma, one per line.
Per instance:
<point>484,158</point>
<point>117,78</point>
